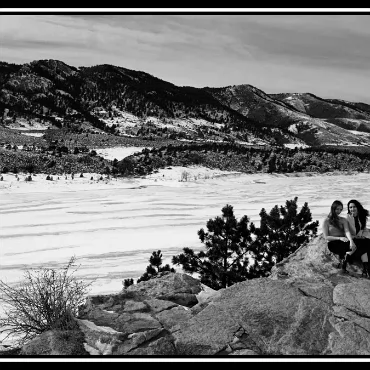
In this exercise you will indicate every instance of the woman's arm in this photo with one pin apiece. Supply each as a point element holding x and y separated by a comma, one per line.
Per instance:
<point>330,238</point>
<point>351,225</point>
<point>349,236</point>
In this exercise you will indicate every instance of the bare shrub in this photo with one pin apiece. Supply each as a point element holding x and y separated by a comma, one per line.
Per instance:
<point>47,299</point>
<point>185,175</point>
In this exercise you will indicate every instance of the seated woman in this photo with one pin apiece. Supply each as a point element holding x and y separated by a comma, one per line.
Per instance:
<point>338,235</point>
<point>357,218</point>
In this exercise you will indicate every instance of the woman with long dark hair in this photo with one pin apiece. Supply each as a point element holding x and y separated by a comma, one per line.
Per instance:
<point>357,218</point>
<point>337,234</point>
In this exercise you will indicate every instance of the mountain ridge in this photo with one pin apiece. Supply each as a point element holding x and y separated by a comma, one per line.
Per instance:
<point>121,101</point>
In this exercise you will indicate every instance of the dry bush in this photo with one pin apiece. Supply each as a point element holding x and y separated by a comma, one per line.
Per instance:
<point>185,176</point>
<point>47,299</point>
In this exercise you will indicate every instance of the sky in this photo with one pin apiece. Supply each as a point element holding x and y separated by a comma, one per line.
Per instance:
<point>324,54</point>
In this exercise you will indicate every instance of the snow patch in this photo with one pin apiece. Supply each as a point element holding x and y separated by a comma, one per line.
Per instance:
<point>127,120</point>
<point>118,152</point>
<point>296,145</point>
<point>35,134</point>
<point>359,133</point>
<point>62,92</point>
<point>293,128</point>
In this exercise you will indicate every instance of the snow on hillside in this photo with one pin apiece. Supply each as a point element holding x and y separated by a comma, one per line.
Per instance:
<point>35,134</point>
<point>125,119</point>
<point>359,133</point>
<point>22,124</point>
<point>296,145</point>
<point>128,120</point>
<point>118,152</point>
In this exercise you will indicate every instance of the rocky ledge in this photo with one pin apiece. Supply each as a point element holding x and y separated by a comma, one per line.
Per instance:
<point>305,307</point>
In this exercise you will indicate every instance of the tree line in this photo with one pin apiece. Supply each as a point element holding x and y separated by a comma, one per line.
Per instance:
<point>247,159</point>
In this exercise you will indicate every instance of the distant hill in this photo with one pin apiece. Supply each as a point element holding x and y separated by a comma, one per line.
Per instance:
<point>312,119</point>
<point>351,116</point>
<point>116,100</point>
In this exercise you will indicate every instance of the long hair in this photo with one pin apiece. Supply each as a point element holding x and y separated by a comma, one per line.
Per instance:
<point>362,212</point>
<point>332,216</point>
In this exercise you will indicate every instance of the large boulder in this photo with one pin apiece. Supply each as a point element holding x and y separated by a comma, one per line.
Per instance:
<point>265,316</point>
<point>178,288</point>
<point>139,319</point>
<point>306,307</point>
<point>56,343</point>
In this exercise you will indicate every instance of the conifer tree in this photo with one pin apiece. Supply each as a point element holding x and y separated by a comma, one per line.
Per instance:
<point>155,267</point>
<point>225,261</point>
<point>281,233</point>
<point>128,282</point>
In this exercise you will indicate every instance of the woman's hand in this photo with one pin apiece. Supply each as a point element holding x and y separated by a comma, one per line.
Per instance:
<point>353,247</point>
<point>343,239</point>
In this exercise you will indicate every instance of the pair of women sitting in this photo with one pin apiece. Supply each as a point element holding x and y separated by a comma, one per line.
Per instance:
<point>348,237</point>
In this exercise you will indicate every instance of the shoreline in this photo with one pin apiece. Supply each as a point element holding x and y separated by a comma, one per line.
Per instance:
<point>170,176</point>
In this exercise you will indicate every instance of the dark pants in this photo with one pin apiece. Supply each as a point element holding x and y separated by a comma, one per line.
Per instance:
<point>338,247</point>
<point>363,246</point>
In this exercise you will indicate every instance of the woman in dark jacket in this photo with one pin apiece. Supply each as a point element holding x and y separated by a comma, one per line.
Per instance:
<point>357,218</point>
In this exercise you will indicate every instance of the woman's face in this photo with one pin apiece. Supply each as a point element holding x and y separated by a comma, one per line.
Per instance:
<point>353,209</point>
<point>338,210</point>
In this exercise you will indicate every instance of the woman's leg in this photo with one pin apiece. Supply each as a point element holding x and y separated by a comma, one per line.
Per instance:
<point>365,258</point>
<point>365,265</point>
<point>340,248</point>
<point>362,251</point>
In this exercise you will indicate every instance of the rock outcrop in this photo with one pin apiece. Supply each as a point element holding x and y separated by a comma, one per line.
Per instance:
<point>306,306</point>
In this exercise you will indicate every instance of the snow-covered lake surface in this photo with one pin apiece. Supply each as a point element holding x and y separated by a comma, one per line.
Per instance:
<point>112,227</point>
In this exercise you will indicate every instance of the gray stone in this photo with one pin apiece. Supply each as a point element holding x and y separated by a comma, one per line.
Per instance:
<point>132,306</point>
<point>174,287</point>
<point>175,316</point>
<point>344,314</point>
<point>101,317</point>
<point>244,352</point>
<point>137,340</point>
<point>56,343</point>
<point>132,323</point>
<point>160,347</point>
<point>100,340</point>
<point>354,296</point>
<point>143,337</point>
<point>159,305</point>
<point>274,314</point>
<point>349,339</point>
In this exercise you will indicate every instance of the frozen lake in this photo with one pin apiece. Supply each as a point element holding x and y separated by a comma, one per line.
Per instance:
<point>113,228</point>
